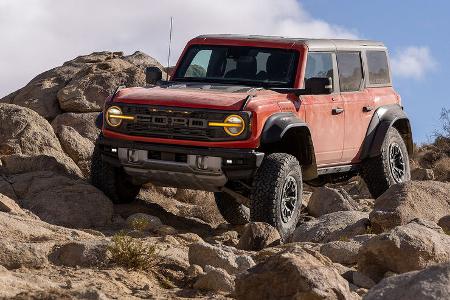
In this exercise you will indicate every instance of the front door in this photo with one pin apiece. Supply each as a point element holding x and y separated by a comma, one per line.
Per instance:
<point>325,113</point>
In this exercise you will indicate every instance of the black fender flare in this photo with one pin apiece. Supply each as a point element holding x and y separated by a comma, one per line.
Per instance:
<point>277,125</point>
<point>385,117</point>
<point>285,125</point>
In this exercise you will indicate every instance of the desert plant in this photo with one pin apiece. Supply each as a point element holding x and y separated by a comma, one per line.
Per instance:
<point>131,253</point>
<point>442,136</point>
<point>445,118</point>
<point>140,223</point>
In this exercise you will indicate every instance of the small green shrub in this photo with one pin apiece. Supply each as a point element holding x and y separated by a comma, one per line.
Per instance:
<point>140,223</point>
<point>131,253</point>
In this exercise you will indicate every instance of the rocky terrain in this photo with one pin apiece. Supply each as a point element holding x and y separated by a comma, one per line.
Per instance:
<point>61,238</point>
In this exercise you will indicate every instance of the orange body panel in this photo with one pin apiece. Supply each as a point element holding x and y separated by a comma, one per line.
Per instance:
<point>326,128</point>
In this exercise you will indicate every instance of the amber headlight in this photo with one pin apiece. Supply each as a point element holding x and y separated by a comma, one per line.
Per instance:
<point>233,125</point>
<point>114,116</point>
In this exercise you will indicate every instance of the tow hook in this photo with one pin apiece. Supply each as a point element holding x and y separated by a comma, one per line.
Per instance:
<point>133,155</point>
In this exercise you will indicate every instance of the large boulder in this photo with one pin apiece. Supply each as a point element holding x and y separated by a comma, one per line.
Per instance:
<point>27,229</point>
<point>81,84</point>
<point>61,200</point>
<point>25,134</point>
<point>215,279</point>
<point>19,163</point>
<point>405,248</point>
<point>342,252</point>
<point>14,255</point>
<point>223,257</point>
<point>336,226</point>
<point>432,283</point>
<point>257,236</point>
<point>404,202</point>
<point>295,274</point>
<point>102,74</point>
<point>77,134</point>
<point>40,93</point>
<point>78,148</point>
<point>326,200</point>
<point>83,123</point>
<point>80,253</point>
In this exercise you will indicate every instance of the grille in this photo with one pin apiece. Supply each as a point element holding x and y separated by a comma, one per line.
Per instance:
<point>174,123</point>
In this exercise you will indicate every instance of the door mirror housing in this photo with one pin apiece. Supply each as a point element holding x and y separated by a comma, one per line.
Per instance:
<point>153,75</point>
<point>319,86</point>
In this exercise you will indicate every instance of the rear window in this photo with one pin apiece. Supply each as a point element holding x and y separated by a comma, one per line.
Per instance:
<point>378,67</point>
<point>350,71</point>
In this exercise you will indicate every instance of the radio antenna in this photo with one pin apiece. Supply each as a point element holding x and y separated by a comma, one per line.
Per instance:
<point>170,46</point>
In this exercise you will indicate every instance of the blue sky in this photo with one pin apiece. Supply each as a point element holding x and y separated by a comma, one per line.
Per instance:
<point>400,24</point>
<point>37,35</point>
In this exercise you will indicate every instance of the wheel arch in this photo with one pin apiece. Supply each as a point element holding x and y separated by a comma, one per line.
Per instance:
<point>279,132</point>
<point>384,118</point>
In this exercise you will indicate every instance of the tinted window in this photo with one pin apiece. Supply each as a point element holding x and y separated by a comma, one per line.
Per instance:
<point>378,67</point>
<point>350,71</point>
<point>250,66</point>
<point>319,65</point>
<point>199,64</point>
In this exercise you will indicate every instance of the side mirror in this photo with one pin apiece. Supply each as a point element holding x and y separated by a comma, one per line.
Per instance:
<point>153,75</point>
<point>319,86</point>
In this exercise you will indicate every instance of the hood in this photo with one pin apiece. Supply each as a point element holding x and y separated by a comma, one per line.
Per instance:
<point>204,96</point>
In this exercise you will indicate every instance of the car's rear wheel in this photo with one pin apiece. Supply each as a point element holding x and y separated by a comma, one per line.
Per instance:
<point>277,193</point>
<point>389,168</point>
<point>232,211</point>
<point>111,180</point>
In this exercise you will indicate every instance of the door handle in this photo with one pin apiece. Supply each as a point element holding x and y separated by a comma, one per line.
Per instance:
<point>367,108</point>
<point>337,110</point>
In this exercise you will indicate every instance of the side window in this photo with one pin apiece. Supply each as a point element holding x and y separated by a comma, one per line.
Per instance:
<point>378,67</point>
<point>350,71</point>
<point>199,64</point>
<point>319,65</point>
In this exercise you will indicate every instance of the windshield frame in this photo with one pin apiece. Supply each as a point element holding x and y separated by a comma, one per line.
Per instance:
<point>234,81</point>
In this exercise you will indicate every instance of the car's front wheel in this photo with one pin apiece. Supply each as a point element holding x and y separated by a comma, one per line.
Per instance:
<point>113,181</point>
<point>277,193</point>
<point>389,168</point>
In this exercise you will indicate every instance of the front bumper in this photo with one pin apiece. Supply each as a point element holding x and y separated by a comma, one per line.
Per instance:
<point>182,167</point>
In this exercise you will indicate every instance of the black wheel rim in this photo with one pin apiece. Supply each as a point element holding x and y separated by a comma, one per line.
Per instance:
<point>289,199</point>
<point>397,162</point>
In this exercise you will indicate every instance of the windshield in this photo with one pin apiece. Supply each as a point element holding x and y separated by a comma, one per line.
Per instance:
<point>261,67</point>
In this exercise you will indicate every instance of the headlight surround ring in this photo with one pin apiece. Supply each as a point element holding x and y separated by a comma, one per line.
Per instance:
<point>234,125</point>
<point>114,116</point>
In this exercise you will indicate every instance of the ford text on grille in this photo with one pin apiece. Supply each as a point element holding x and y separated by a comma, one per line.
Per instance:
<point>173,121</point>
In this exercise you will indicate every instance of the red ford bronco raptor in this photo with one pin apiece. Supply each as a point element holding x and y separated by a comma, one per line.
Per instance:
<point>251,118</point>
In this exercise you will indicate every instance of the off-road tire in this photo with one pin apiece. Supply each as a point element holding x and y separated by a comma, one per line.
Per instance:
<point>112,181</point>
<point>267,193</point>
<point>376,171</point>
<point>233,212</point>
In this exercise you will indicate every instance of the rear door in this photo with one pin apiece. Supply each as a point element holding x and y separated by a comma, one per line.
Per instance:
<point>358,103</point>
<point>325,113</point>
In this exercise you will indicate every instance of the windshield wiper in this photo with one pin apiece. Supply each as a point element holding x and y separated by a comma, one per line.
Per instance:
<point>294,91</point>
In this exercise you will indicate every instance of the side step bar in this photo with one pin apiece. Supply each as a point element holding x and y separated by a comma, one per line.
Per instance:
<point>338,169</point>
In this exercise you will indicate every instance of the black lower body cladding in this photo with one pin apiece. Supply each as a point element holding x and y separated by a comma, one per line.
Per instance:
<point>179,166</point>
